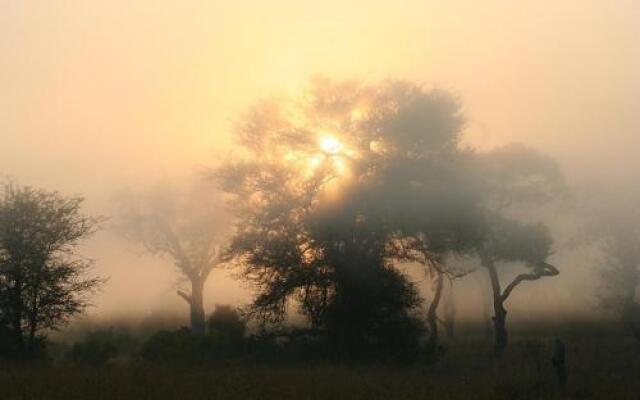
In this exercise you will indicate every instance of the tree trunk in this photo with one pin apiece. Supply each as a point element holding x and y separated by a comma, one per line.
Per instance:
<point>432,316</point>
<point>499,312</point>
<point>450,314</point>
<point>487,320</point>
<point>197,307</point>
<point>33,313</point>
<point>32,336</point>
<point>16,318</point>
<point>500,329</point>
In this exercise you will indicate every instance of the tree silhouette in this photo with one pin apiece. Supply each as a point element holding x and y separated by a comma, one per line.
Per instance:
<point>509,241</point>
<point>335,188</point>
<point>183,227</point>
<point>43,283</point>
<point>514,176</point>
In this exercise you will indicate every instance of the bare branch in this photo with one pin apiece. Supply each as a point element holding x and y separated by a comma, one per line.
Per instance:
<point>543,269</point>
<point>185,296</point>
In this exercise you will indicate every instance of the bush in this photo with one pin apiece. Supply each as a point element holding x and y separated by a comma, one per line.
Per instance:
<point>226,326</point>
<point>101,346</point>
<point>223,341</point>
<point>8,343</point>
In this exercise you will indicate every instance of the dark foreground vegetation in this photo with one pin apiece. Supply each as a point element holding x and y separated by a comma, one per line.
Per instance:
<point>599,367</point>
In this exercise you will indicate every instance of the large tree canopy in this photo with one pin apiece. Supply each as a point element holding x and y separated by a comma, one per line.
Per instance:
<point>333,187</point>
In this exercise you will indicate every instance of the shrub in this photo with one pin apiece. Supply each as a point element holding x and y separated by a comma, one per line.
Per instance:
<point>226,326</point>
<point>101,346</point>
<point>223,341</point>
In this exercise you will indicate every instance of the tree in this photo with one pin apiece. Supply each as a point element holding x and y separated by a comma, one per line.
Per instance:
<point>614,226</point>
<point>181,226</point>
<point>510,241</point>
<point>333,189</point>
<point>620,275</point>
<point>513,176</point>
<point>438,270</point>
<point>43,282</point>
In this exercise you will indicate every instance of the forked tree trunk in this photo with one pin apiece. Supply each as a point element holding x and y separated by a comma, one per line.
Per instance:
<point>541,269</point>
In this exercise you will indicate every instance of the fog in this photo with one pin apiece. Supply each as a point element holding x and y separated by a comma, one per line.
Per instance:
<point>104,97</point>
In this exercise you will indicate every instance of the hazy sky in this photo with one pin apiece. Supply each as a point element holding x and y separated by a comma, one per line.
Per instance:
<point>96,95</point>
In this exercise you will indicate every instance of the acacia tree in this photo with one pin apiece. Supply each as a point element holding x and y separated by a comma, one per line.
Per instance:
<point>509,241</point>
<point>336,187</point>
<point>514,176</point>
<point>43,282</point>
<point>183,227</point>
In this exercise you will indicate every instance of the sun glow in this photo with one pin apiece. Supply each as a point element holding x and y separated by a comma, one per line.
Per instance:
<point>332,154</point>
<point>330,145</point>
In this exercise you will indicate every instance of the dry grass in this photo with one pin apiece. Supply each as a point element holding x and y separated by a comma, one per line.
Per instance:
<point>598,369</point>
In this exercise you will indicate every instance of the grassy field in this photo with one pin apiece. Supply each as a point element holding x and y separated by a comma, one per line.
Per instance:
<point>598,368</point>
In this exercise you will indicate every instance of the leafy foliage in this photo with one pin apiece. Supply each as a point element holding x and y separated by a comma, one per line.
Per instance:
<point>43,283</point>
<point>339,185</point>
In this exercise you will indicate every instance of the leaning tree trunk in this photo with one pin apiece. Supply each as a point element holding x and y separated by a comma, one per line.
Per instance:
<point>540,269</point>
<point>432,315</point>
<point>499,313</point>
<point>195,301</point>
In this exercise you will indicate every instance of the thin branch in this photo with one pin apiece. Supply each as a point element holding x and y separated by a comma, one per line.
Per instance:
<point>185,296</point>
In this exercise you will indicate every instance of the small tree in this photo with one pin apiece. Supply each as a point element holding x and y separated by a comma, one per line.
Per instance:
<point>510,241</point>
<point>620,276</point>
<point>426,251</point>
<point>614,225</point>
<point>43,283</point>
<point>513,176</point>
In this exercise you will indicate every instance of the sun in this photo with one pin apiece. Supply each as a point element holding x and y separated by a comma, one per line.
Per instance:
<point>330,145</point>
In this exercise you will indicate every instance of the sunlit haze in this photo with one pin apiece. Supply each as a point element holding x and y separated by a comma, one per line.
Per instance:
<point>99,98</point>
